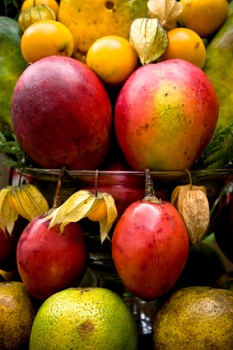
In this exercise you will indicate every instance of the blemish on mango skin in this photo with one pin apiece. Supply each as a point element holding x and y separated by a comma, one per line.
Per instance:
<point>86,328</point>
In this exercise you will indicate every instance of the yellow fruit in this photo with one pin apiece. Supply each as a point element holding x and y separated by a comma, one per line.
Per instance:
<point>53,4</point>
<point>185,44</point>
<point>112,58</point>
<point>100,213</point>
<point>90,20</point>
<point>17,315</point>
<point>46,38</point>
<point>35,14</point>
<point>195,318</point>
<point>84,318</point>
<point>205,17</point>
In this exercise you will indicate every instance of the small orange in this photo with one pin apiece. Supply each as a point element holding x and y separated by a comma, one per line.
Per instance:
<point>100,213</point>
<point>185,44</point>
<point>205,17</point>
<point>46,38</point>
<point>53,4</point>
<point>112,58</point>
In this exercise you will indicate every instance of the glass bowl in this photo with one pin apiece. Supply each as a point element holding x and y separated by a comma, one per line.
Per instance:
<point>126,187</point>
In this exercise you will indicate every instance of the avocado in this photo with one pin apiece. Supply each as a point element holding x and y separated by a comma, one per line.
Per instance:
<point>12,64</point>
<point>219,67</point>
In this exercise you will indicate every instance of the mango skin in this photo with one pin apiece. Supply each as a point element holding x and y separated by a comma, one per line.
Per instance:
<point>218,67</point>
<point>11,67</point>
<point>165,115</point>
<point>62,114</point>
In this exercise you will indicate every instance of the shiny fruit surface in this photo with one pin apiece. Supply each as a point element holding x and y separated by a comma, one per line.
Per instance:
<point>46,38</point>
<point>185,44</point>
<point>113,58</point>
<point>165,115</point>
<point>150,247</point>
<point>62,114</point>
<point>204,17</point>
<point>48,260</point>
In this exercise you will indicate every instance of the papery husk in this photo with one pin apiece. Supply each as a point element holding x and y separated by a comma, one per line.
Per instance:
<point>148,38</point>
<point>193,206</point>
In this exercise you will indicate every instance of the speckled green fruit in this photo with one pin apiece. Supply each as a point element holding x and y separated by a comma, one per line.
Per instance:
<point>84,318</point>
<point>195,318</point>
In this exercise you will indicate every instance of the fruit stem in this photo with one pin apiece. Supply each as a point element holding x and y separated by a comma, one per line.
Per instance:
<point>149,189</point>
<point>190,179</point>
<point>96,182</point>
<point>20,177</point>
<point>57,196</point>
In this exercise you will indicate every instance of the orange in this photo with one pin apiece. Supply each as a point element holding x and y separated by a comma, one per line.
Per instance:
<point>205,17</point>
<point>84,318</point>
<point>46,38</point>
<point>100,213</point>
<point>112,58</point>
<point>185,44</point>
<point>53,4</point>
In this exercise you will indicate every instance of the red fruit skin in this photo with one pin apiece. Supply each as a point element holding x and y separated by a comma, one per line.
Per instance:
<point>8,244</point>
<point>7,247</point>
<point>49,261</point>
<point>62,114</point>
<point>165,115</point>
<point>150,247</point>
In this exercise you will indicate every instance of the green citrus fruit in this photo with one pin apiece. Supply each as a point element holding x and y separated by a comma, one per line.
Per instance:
<point>84,318</point>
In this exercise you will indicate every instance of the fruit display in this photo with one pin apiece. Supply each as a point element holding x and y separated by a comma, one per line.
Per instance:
<point>116,131</point>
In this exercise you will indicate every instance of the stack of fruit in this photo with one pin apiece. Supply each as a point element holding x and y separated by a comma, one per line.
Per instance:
<point>134,87</point>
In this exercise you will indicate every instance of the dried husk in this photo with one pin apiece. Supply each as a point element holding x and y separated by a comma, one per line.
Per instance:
<point>81,204</point>
<point>25,200</point>
<point>149,38</point>
<point>193,206</point>
<point>166,11</point>
<point>35,14</point>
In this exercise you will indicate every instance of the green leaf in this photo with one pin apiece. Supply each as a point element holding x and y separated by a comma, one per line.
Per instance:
<point>219,151</point>
<point>16,157</point>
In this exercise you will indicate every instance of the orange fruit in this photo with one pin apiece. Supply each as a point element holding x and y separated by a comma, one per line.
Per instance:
<point>53,4</point>
<point>205,17</point>
<point>84,318</point>
<point>185,44</point>
<point>46,38</point>
<point>90,20</point>
<point>112,58</point>
<point>100,213</point>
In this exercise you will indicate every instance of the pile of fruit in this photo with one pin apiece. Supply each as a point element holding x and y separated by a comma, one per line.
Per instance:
<point>122,87</point>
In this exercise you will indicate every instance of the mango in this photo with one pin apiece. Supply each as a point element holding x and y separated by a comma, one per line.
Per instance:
<point>12,64</point>
<point>218,67</point>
